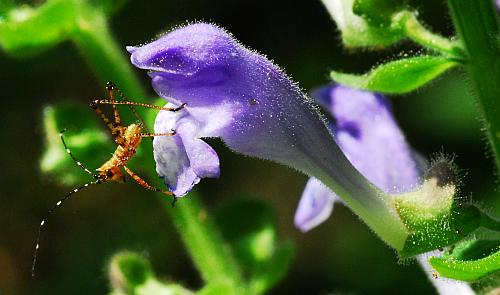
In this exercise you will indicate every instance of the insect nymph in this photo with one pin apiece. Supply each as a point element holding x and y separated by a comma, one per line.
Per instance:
<point>127,138</point>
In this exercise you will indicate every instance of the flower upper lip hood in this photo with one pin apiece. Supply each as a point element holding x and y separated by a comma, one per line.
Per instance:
<point>184,51</point>
<point>238,95</point>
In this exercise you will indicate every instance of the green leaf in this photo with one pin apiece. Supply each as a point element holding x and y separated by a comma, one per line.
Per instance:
<point>271,272</point>
<point>26,30</point>
<point>250,228</point>
<point>131,273</point>
<point>469,261</point>
<point>397,77</point>
<point>86,139</point>
<point>128,269</point>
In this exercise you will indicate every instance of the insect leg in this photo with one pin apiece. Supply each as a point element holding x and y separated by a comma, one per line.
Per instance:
<point>131,107</point>
<point>146,185</point>
<point>44,220</point>
<point>116,131</point>
<point>110,87</point>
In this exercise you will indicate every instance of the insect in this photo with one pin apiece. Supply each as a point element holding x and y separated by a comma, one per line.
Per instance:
<point>127,138</point>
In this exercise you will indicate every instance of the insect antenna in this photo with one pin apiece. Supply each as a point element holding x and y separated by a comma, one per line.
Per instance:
<point>49,213</point>
<point>73,157</point>
<point>96,180</point>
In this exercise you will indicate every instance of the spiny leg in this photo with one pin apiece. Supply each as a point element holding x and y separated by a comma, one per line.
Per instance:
<point>134,111</point>
<point>116,131</point>
<point>73,157</point>
<point>146,185</point>
<point>42,223</point>
<point>110,87</point>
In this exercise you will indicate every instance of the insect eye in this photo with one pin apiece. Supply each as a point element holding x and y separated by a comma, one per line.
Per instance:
<point>109,173</point>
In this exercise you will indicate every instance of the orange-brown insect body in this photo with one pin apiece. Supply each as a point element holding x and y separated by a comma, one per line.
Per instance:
<point>111,170</point>
<point>127,138</point>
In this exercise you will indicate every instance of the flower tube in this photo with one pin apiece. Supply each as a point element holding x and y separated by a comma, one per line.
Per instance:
<point>371,139</point>
<point>238,95</point>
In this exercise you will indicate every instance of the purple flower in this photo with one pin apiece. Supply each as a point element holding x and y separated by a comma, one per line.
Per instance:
<point>238,95</point>
<point>231,92</point>
<point>370,138</point>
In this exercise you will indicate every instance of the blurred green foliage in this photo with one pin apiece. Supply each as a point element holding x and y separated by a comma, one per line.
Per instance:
<point>250,227</point>
<point>130,273</point>
<point>110,218</point>
<point>85,137</point>
<point>28,30</point>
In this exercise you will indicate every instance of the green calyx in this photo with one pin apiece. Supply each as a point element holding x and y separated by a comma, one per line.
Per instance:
<point>377,12</point>
<point>358,28</point>
<point>433,218</point>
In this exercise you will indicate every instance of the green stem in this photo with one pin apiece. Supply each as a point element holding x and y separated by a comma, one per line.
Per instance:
<point>421,35</point>
<point>210,254</point>
<point>203,242</point>
<point>107,59</point>
<point>477,25</point>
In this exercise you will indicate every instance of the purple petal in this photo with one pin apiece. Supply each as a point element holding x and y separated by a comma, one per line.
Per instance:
<point>181,160</point>
<point>240,96</point>
<point>315,206</point>
<point>370,138</point>
<point>172,164</point>
<point>202,158</point>
<point>185,51</point>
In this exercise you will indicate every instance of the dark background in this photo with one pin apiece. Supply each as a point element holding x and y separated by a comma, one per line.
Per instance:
<point>340,256</point>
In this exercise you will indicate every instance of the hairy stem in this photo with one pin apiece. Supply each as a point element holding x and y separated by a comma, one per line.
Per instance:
<point>421,35</point>
<point>477,25</point>
<point>203,242</point>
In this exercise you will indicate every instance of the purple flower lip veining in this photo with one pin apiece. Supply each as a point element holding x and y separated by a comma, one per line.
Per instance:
<point>238,95</point>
